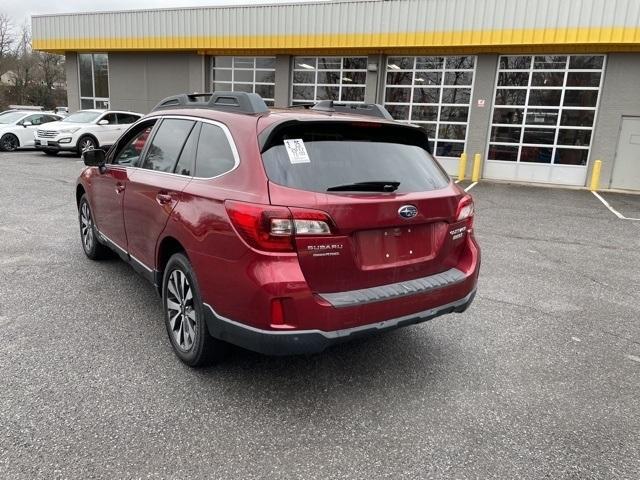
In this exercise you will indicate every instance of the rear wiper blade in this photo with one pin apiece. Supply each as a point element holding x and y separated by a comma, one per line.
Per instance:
<point>366,187</point>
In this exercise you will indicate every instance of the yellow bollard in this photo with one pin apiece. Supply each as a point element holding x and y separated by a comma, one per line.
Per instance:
<point>462,167</point>
<point>476,168</point>
<point>595,176</point>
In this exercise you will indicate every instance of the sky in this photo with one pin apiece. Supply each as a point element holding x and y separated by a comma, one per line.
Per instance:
<point>20,11</point>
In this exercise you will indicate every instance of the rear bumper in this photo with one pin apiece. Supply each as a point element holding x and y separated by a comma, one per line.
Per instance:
<point>270,342</point>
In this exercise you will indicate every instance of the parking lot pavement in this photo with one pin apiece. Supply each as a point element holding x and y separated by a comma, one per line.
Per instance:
<point>626,204</point>
<point>539,379</point>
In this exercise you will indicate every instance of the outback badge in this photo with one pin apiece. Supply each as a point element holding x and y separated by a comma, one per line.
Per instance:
<point>407,211</point>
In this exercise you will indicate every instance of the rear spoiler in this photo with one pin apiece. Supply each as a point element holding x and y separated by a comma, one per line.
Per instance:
<point>411,134</point>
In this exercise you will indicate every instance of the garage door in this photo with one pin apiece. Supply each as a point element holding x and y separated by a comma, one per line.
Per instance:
<point>245,74</point>
<point>342,79</point>
<point>435,93</point>
<point>543,116</point>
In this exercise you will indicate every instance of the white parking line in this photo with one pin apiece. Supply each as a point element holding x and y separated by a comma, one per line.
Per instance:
<point>456,181</point>
<point>634,358</point>
<point>613,210</point>
<point>470,186</point>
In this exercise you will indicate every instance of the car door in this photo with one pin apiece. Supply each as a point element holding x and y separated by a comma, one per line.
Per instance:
<point>108,189</point>
<point>108,134</point>
<point>155,189</point>
<point>28,127</point>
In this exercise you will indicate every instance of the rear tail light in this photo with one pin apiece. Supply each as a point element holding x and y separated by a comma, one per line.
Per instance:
<point>281,227</point>
<point>311,222</point>
<point>273,229</point>
<point>465,208</point>
<point>466,211</point>
<point>311,227</point>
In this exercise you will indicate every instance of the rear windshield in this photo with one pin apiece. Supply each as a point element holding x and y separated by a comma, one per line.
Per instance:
<point>331,156</point>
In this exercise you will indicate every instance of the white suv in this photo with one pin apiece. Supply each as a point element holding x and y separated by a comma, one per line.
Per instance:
<point>17,128</point>
<point>84,130</point>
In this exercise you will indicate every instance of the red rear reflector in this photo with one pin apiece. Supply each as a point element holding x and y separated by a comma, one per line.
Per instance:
<point>277,312</point>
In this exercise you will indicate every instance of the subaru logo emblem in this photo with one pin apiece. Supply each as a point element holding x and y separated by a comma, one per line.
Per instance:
<point>407,211</point>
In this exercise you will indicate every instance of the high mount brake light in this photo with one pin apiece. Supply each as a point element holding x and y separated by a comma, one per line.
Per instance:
<point>367,124</point>
<point>465,209</point>
<point>272,228</point>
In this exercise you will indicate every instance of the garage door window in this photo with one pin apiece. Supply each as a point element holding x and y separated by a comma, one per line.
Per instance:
<point>545,108</point>
<point>434,92</point>
<point>342,79</point>
<point>245,74</point>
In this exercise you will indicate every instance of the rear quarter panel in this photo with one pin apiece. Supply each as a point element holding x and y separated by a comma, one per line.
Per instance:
<point>201,224</point>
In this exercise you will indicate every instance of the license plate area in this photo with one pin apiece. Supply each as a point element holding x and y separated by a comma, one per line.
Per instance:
<point>44,142</point>
<point>395,246</point>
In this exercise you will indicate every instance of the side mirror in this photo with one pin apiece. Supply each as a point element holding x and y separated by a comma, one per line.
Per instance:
<point>103,122</point>
<point>94,158</point>
<point>26,124</point>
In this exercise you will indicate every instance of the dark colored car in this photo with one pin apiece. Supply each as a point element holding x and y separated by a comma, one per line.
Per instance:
<point>281,231</point>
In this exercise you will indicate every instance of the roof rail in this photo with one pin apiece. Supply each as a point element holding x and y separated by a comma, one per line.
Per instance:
<point>369,109</point>
<point>238,102</point>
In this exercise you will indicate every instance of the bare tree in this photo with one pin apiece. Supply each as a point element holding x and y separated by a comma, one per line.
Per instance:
<point>36,75</point>
<point>50,68</point>
<point>24,66</point>
<point>6,42</point>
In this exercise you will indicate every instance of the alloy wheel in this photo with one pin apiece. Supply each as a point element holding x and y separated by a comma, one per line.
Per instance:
<point>87,144</point>
<point>181,311</point>
<point>9,143</point>
<point>86,227</point>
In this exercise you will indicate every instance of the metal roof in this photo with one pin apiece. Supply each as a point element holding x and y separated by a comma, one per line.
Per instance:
<point>357,25</point>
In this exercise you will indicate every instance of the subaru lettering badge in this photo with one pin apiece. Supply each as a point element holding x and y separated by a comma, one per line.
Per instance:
<point>407,211</point>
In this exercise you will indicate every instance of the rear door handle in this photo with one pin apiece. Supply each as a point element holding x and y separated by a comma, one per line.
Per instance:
<point>164,198</point>
<point>119,188</point>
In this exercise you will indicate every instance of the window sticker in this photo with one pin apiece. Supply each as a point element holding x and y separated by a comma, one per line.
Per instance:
<point>297,151</point>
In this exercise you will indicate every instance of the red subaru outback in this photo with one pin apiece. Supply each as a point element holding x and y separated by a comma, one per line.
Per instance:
<point>281,231</point>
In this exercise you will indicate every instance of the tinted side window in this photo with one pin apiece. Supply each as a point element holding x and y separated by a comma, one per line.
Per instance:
<point>35,119</point>
<point>110,117</point>
<point>49,118</point>
<point>167,144</point>
<point>126,118</point>
<point>187,160</point>
<point>129,155</point>
<point>215,156</point>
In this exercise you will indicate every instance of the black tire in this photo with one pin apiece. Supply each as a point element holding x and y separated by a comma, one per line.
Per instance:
<point>52,153</point>
<point>9,142</point>
<point>90,244</point>
<point>184,316</point>
<point>86,142</point>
